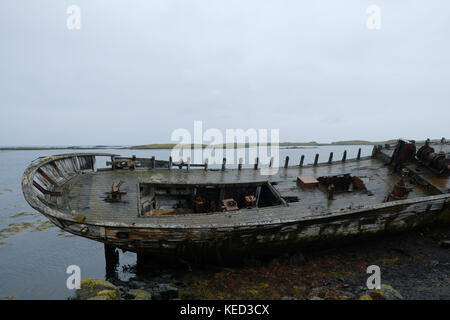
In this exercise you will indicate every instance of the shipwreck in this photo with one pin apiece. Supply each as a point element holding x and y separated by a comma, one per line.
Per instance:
<point>191,211</point>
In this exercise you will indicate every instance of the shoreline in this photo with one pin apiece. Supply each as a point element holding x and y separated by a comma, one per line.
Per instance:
<point>292,145</point>
<point>156,146</point>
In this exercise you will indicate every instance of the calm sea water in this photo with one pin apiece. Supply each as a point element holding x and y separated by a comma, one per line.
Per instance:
<point>34,254</point>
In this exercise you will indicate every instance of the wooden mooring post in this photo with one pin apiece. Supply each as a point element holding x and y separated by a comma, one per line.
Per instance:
<point>224,161</point>
<point>344,156</point>
<point>144,261</point>
<point>286,162</point>
<point>302,159</point>
<point>316,159</point>
<point>111,260</point>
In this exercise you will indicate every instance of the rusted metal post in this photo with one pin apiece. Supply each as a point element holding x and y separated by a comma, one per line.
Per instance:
<point>286,162</point>
<point>256,163</point>
<point>344,156</point>
<point>302,159</point>
<point>359,154</point>
<point>330,159</point>
<point>240,164</point>
<point>206,164</point>
<point>224,161</point>
<point>316,159</point>
<point>170,163</point>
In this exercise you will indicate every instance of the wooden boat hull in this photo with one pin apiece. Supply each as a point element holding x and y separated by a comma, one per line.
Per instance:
<point>227,240</point>
<point>227,243</point>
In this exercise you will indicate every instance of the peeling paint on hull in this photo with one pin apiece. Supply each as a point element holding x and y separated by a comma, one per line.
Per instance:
<point>234,234</point>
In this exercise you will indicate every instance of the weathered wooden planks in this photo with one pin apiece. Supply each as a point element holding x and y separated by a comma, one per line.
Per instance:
<point>56,187</point>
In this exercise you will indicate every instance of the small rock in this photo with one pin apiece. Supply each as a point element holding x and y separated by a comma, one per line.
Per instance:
<point>122,289</point>
<point>288,298</point>
<point>315,298</point>
<point>156,296</point>
<point>297,259</point>
<point>166,276</point>
<point>347,293</point>
<point>112,294</point>
<point>445,244</point>
<point>100,298</point>
<point>386,292</point>
<point>134,284</point>
<point>434,263</point>
<point>92,287</point>
<point>138,294</point>
<point>167,291</point>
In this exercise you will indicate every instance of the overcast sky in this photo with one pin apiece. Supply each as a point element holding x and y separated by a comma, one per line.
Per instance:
<point>137,70</point>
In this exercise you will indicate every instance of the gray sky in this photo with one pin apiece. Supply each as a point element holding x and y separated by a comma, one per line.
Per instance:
<point>137,70</point>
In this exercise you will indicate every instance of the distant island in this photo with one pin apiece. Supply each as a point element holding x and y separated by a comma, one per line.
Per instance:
<point>172,145</point>
<point>281,144</point>
<point>290,145</point>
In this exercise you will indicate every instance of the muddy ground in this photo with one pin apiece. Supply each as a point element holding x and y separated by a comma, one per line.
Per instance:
<point>416,264</point>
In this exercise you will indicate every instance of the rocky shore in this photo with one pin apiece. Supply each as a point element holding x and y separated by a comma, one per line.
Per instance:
<point>413,266</point>
<point>98,289</point>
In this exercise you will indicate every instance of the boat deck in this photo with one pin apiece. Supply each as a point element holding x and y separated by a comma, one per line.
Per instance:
<point>85,194</point>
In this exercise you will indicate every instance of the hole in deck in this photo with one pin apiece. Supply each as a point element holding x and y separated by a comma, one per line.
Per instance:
<point>164,199</point>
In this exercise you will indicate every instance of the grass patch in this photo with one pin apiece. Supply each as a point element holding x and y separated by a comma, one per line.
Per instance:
<point>15,228</point>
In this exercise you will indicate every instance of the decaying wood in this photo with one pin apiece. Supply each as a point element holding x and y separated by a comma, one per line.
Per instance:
<point>63,187</point>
